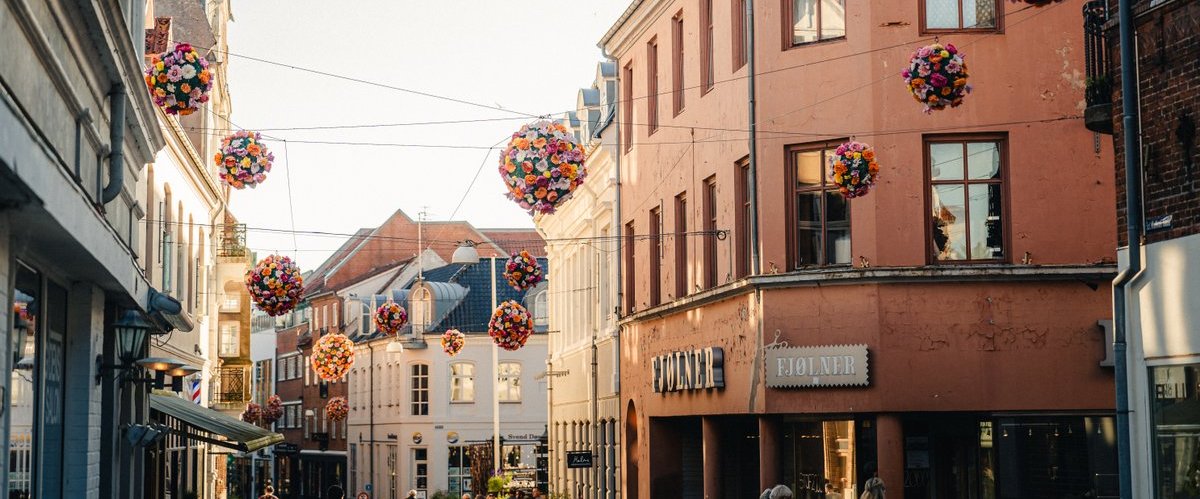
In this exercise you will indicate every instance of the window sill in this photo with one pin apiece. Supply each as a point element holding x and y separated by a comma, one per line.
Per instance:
<point>462,402</point>
<point>814,43</point>
<point>510,402</point>
<point>961,31</point>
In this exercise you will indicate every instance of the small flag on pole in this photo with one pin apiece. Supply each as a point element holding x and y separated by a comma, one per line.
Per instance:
<point>196,391</point>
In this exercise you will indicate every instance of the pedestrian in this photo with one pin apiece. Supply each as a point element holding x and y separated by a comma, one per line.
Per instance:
<point>268,493</point>
<point>830,493</point>
<point>466,496</point>
<point>412,494</point>
<point>874,488</point>
<point>780,492</point>
<point>335,492</point>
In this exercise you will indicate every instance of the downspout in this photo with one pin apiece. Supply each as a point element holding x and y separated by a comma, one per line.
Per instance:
<point>618,226</point>
<point>752,167</point>
<point>1133,217</point>
<point>116,139</point>
<point>371,411</point>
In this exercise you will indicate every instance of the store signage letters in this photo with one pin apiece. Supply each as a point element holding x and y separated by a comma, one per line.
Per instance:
<point>698,369</point>
<point>802,367</point>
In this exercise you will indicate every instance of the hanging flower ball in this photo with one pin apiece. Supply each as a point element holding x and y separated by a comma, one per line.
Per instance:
<point>510,326</point>
<point>243,160</point>
<point>273,410</point>
<point>853,169</point>
<point>522,271</point>
<point>937,76</point>
<point>252,414</point>
<point>453,342</point>
<point>332,356</point>
<point>337,409</point>
<point>542,166</point>
<point>275,285</point>
<point>390,317</point>
<point>179,80</point>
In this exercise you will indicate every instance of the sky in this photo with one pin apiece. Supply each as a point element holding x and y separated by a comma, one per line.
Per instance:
<point>530,56</point>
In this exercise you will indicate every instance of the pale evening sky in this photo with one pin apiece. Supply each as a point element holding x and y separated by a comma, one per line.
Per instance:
<point>526,55</point>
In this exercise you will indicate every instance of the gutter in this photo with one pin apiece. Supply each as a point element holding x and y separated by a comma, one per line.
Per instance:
<point>1133,218</point>
<point>116,139</point>
<point>608,35</point>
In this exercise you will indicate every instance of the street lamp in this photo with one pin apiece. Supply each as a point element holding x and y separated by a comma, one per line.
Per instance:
<point>178,374</point>
<point>131,330</point>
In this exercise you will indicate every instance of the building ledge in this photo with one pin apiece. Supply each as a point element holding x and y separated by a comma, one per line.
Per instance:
<point>1100,272</point>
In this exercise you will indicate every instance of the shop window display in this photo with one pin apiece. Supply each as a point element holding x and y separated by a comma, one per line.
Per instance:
<point>819,459</point>
<point>1176,415</point>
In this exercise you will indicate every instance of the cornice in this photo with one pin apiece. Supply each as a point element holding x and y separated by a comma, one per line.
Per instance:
<point>636,19</point>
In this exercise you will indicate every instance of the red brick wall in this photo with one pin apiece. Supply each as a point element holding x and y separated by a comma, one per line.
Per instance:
<point>1169,70</point>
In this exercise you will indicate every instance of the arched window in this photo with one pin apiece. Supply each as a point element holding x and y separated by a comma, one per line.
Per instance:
<point>462,382</point>
<point>421,309</point>
<point>541,308</point>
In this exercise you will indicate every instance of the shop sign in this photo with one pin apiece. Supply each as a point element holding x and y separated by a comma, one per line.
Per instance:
<point>698,369</point>
<point>287,448</point>
<point>579,459</point>
<point>802,367</point>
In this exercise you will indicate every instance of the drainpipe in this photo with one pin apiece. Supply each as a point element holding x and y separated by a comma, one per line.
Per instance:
<point>116,139</point>
<point>752,167</point>
<point>620,240</point>
<point>371,413</point>
<point>1133,215</point>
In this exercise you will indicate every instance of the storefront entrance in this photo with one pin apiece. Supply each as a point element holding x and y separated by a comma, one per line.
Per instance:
<point>965,456</point>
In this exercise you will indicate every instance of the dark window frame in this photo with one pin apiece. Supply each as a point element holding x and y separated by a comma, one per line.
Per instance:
<point>655,259</point>
<point>1001,138</point>
<point>708,74</point>
<point>737,26</point>
<point>711,277</point>
<point>652,85</point>
<point>627,106</point>
<point>678,100</point>
<point>791,191</point>
<point>681,245</point>
<point>922,18</point>
<point>742,220</point>
<point>630,269</point>
<point>787,8</point>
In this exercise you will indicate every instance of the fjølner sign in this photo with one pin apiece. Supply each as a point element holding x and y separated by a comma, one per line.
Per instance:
<point>698,369</point>
<point>802,367</point>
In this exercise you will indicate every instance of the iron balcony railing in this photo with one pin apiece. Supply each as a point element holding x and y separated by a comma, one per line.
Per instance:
<point>232,385</point>
<point>232,241</point>
<point>1097,68</point>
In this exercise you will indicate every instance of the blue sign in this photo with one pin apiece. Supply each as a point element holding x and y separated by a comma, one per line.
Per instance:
<point>367,487</point>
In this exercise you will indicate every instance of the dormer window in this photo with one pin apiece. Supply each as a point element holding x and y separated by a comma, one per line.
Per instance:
<point>421,309</point>
<point>541,308</point>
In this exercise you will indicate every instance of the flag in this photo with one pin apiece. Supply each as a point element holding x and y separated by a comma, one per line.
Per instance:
<point>196,391</point>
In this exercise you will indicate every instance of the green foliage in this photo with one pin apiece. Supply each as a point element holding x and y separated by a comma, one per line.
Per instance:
<point>497,484</point>
<point>441,494</point>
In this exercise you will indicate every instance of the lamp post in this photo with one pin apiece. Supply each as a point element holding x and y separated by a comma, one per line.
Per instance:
<point>467,254</point>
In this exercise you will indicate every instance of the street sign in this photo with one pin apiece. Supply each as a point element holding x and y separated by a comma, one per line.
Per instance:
<point>287,448</point>
<point>367,487</point>
<point>579,459</point>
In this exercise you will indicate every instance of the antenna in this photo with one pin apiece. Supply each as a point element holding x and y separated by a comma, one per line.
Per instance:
<point>420,242</point>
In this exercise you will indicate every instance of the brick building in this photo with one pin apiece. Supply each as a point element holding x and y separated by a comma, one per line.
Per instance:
<point>1163,300</point>
<point>941,331</point>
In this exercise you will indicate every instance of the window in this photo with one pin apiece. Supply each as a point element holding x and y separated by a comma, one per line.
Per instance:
<point>1175,394</point>
<point>655,256</point>
<point>816,20</point>
<point>681,245</point>
<point>230,339</point>
<point>707,75</point>
<point>541,308</point>
<point>393,483</point>
<point>353,462</point>
<point>422,309</point>
<point>462,382</point>
<point>742,225</point>
<point>738,30</point>
<point>458,470</point>
<point>291,415</point>
<point>627,106</point>
<point>966,198</point>
<point>652,84</point>
<point>420,389</point>
<point>822,452</point>
<point>630,274</point>
<point>959,15</point>
<point>677,62</point>
<point>509,382</point>
<point>365,322</point>
<point>819,216</point>
<point>710,228</point>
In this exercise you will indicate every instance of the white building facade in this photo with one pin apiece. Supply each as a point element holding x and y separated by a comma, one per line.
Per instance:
<point>584,351</point>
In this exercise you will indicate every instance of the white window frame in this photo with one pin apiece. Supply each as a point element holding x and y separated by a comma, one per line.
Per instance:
<point>506,389</point>
<point>462,380</point>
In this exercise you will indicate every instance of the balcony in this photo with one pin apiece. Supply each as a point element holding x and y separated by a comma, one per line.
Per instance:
<point>230,304</point>
<point>232,242</point>
<point>231,386</point>
<point>1098,116</point>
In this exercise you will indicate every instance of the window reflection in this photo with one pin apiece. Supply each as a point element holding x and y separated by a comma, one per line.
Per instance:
<point>819,459</point>
<point>966,200</point>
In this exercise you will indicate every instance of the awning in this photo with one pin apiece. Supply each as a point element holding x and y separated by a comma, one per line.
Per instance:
<point>231,432</point>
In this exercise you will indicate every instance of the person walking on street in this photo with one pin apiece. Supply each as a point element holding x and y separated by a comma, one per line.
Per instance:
<point>874,488</point>
<point>268,493</point>
<point>777,492</point>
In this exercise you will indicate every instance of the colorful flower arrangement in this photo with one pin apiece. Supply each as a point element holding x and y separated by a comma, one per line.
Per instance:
<point>522,271</point>
<point>390,317</point>
<point>453,342</point>
<point>853,168</point>
<point>252,414</point>
<point>332,356</point>
<point>510,326</point>
<point>179,80</point>
<point>275,285</point>
<point>337,409</point>
<point>937,76</point>
<point>542,166</point>
<point>273,410</point>
<point>243,160</point>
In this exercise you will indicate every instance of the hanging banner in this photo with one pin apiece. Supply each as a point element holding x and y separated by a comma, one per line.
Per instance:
<point>804,367</point>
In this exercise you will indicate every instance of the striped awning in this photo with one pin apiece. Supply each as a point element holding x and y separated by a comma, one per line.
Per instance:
<point>228,431</point>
